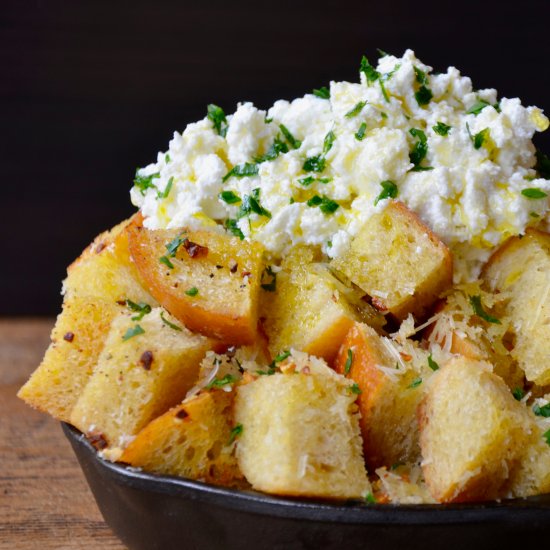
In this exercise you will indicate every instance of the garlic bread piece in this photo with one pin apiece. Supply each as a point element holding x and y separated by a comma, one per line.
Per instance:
<point>145,367</point>
<point>209,281</point>
<point>398,262</point>
<point>195,439</point>
<point>520,268</point>
<point>300,433</point>
<point>472,432</point>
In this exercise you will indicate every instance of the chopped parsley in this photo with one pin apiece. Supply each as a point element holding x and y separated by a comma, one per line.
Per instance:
<point>269,372</point>
<point>326,205</point>
<point>475,302</point>
<point>328,142</point>
<point>543,411</point>
<point>421,76</point>
<point>273,152</point>
<point>480,138</point>
<point>168,323</point>
<point>144,182</point>
<point>518,394</point>
<point>216,115</point>
<point>315,164</point>
<point>441,128</point>
<point>167,158</point>
<point>193,291</point>
<point>166,261</point>
<point>294,143</point>
<point>269,279</point>
<point>479,105</point>
<point>360,134</point>
<point>174,244</point>
<point>227,379</point>
<point>355,389</point>
<point>356,110</point>
<point>546,436</point>
<point>323,92</point>
<point>420,148</point>
<point>542,165</point>
<point>534,215</point>
<point>349,361</point>
<point>164,194</point>
<point>233,228</point>
<point>235,432</point>
<point>241,171</point>
<point>424,95</point>
<point>281,357</point>
<point>370,498</point>
<point>389,191</point>
<point>534,193</point>
<point>133,331</point>
<point>229,197</point>
<point>306,181</point>
<point>251,204</point>
<point>140,308</point>
<point>371,74</point>
<point>415,383</point>
<point>432,364</point>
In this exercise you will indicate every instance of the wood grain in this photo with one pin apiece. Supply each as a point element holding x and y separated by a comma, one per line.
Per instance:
<point>44,499</point>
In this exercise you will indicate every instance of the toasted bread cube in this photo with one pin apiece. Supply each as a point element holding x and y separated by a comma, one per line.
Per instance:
<point>209,281</point>
<point>398,262</point>
<point>472,432</point>
<point>300,435</point>
<point>532,475</point>
<point>521,269</point>
<point>76,342</point>
<point>309,311</point>
<point>390,393</point>
<point>140,374</point>
<point>193,440</point>
<point>105,270</point>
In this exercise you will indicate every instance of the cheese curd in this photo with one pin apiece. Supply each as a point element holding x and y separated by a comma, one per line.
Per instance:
<point>313,170</point>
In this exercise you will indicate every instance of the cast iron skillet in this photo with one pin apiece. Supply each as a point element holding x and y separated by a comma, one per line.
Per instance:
<point>151,512</point>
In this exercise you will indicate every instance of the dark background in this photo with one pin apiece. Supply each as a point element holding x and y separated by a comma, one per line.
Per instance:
<point>89,90</point>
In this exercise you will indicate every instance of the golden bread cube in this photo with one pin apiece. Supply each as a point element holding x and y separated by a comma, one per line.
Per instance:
<point>145,368</point>
<point>195,439</point>
<point>472,432</point>
<point>209,281</point>
<point>76,342</point>
<point>106,270</point>
<point>520,268</point>
<point>391,389</point>
<point>398,262</point>
<point>532,475</point>
<point>300,434</point>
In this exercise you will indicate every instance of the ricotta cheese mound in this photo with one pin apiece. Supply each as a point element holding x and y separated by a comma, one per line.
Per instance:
<point>314,169</point>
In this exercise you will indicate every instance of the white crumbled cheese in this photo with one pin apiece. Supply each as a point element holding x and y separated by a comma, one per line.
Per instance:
<point>311,170</point>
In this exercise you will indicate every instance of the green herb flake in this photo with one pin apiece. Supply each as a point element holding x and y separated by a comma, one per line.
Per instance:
<point>382,53</point>
<point>229,197</point>
<point>216,115</point>
<point>383,115</point>
<point>518,394</point>
<point>314,164</point>
<point>546,436</point>
<point>481,137</point>
<point>370,498</point>
<point>534,215</point>
<point>326,205</point>
<point>140,308</point>
<point>415,383</point>
<point>251,204</point>
<point>542,165</point>
<point>356,110</point>
<point>432,364</point>
<point>328,142</point>
<point>475,302</point>
<point>534,193</point>
<point>543,411</point>
<point>144,182</point>
<point>233,228</point>
<point>269,372</point>
<point>441,128</point>
<point>477,107</point>
<point>269,279</point>
<point>241,171</point>
<point>389,191</point>
<point>349,361</point>
<point>193,291</point>
<point>355,389</point>
<point>281,357</point>
<point>324,180</point>
<point>360,134</point>
<point>167,158</point>
<point>316,200</point>
<point>306,181</point>
<point>371,74</point>
<point>384,91</point>
<point>420,148</point>
<point>323,92</point>
<point>235,432</point>
<point>294,143</point>
<point>423,96</point>
<point>173,246</point>
<point>168,323</point>
<point>273,152</point>
<point>166,261</point>
<point>133,331</point>
<point>421,76</point>
<point>164,194</point>
<point>227,379</point>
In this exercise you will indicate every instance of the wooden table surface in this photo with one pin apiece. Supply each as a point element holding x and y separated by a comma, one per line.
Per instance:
<point>45,502</point>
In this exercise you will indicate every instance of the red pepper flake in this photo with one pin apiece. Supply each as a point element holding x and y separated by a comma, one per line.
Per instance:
<point>98,441</point>
<point>146,359</point>
<point>405,356</point>
<point>379,304</point>
<point>245,274</point>
<point>100,247</point>
<point>69,336</point>
<point>181,414</point>
<point>121,302</point>
<point>195,250</point>
<point>233,266</point>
